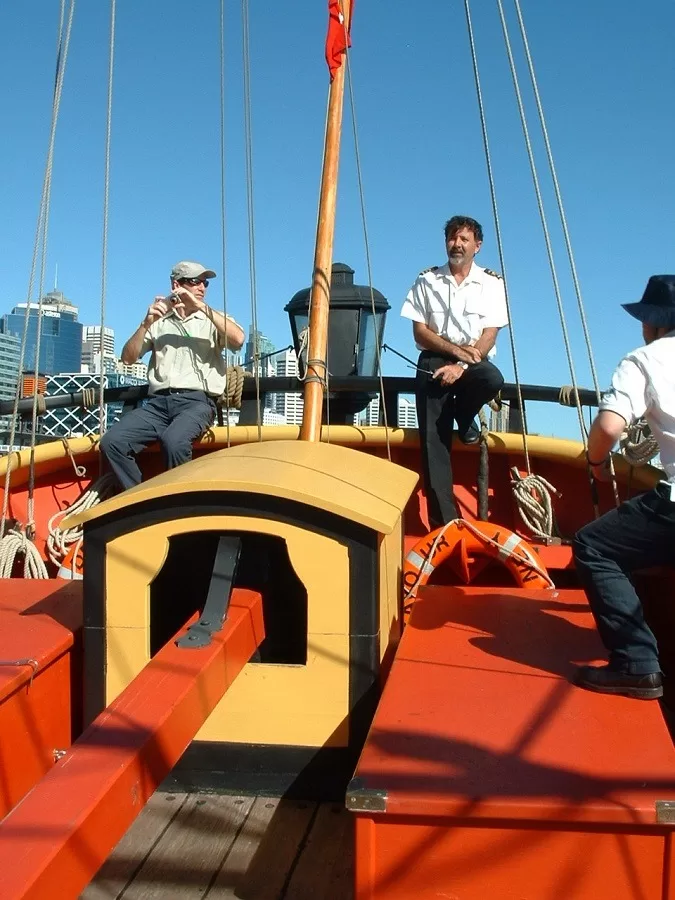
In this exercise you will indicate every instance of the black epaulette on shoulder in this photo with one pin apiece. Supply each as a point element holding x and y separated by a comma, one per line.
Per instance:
<point>430,269</point>
<point>494,274</point>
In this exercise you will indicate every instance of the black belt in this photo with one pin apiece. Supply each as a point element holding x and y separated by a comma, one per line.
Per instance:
<point>165,391</point>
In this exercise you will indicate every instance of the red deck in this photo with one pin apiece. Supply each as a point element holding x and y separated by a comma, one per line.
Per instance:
<point>42,621</point>
<point>494,776</point>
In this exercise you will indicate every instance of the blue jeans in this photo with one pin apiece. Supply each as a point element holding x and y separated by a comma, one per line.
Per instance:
<point>175,420</point>
<point>638,534</point>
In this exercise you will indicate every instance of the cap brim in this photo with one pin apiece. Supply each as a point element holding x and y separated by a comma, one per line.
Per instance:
<point>208,273</point>
<point>648,314</point>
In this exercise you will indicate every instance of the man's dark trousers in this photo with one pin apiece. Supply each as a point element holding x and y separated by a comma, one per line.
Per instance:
<point>437,407</point>
<point>175,419</point>
<point>637,535</point>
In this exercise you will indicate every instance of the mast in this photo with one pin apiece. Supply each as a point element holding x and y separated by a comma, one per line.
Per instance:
<point>323,256</point>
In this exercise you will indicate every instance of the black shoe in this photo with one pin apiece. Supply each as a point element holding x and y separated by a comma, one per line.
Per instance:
<point>607,681</point>
<point>470,436</point>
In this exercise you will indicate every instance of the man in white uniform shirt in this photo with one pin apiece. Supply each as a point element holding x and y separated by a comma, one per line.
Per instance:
<point>186,374</point>
<point>641,532</point>
<point>457,311</point>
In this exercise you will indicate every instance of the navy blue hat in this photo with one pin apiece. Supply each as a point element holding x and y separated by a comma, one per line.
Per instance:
<point>657,307</point>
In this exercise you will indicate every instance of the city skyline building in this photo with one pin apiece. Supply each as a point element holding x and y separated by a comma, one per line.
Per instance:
<point>61,334</point>
<point>289,405</point>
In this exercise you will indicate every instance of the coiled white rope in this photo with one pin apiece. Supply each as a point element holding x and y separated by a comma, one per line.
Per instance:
<point>533,494</point>
<point>59,541</point>
<point>14,545</point>
<point>638,444</point>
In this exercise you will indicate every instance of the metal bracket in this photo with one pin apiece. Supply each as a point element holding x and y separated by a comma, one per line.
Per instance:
<point>665,812</point>
<point>214,613</point>
<point>362,799</point>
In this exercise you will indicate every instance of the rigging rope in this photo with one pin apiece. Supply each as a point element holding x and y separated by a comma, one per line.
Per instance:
<point>250,210</point>
<point>498,231</point>
<point>563,221</point>
<point>63,44</point>
<point>223,234</point>
<point>106,206</point>
<point>359,176</point>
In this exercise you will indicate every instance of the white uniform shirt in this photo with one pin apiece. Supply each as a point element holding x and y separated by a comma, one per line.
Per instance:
<point>458,313</point>
<point>186,353</point>
<point>644,385</point>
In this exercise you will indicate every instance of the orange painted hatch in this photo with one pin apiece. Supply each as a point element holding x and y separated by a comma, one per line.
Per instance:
<point>478,719</point>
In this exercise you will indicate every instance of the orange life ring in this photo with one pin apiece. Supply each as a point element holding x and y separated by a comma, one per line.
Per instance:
<point>72,563</point>
<point>465,540</point>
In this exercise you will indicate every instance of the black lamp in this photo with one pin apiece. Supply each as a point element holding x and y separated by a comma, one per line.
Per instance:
<point>355,324</point>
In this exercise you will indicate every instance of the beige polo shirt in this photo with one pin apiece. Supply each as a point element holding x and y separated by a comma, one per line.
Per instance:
<point>186,353</point>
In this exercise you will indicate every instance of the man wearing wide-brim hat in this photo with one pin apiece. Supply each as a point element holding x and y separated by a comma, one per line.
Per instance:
<point>641,532</point>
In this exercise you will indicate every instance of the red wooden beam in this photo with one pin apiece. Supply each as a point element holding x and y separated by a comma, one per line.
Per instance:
<point>55,840</point>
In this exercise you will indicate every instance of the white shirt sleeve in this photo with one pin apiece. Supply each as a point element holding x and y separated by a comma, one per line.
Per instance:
<point>148,341</point>
<point>415,306</point>
<point>628,395</point>
<point>496,315</point>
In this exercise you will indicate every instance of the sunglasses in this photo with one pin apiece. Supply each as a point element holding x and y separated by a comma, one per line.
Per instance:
<point>193,281</point>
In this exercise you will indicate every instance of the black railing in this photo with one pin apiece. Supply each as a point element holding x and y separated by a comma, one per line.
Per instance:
<point>394,387</point>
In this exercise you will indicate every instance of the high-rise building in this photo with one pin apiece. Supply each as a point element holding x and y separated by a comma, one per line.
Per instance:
<point>93,354</point>
<point>406,414</point>
<point>258,346</point>
<point>499,421</point>
<point>289,405</point>
<point>133,370</point>
<point>61,334</point>
<point>10,351</point>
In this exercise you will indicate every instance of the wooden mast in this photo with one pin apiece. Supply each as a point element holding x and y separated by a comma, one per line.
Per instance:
<point>323,257</point>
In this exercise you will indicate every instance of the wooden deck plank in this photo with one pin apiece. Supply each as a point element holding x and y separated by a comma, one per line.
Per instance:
<point>265,851</point>
<point>183,862</point>
<point>325,866</point>
<point>130,853</point>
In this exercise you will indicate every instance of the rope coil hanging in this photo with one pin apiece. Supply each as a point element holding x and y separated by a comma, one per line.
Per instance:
<point>638,444</point>
<point>533,495</point>
<point>60,540</point>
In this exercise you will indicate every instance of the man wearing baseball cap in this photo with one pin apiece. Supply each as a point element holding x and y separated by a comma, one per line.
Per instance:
<point>186,374</point>
<point>641,532</point>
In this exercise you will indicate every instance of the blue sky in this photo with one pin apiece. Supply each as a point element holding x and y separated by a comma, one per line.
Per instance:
<point>606,73</point>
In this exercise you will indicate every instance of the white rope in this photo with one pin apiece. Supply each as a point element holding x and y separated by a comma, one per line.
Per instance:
<point>359,176</point>
<point>248,143</point>
<point>498,231</point>
<point>60,540</point>
<point>638,444</point>
<point>15,544</point>
<point>533,494</point>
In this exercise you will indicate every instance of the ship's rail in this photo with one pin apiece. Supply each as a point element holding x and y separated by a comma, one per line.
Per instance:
<point>394,387</point>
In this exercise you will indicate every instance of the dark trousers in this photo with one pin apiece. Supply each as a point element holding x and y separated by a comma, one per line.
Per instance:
<point>437,406</point>
<point>175,420</point>
<point>639,534</point>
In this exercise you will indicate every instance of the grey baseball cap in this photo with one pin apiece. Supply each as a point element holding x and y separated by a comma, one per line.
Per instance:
<point>187,269</point>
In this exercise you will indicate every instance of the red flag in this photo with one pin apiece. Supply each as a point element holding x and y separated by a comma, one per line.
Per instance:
<point>338,38</point>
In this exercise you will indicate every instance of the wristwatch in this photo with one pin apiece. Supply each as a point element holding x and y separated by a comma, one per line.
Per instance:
<point>463,365</point>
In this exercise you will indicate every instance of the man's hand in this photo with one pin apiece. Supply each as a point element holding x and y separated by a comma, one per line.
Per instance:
<point>188,302</point>
<point>449,374</point>
<point>158,308</point>
<point>468,354</point>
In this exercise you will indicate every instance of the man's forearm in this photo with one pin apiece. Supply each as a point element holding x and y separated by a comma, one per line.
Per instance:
<point>486,341</point>
<point>229,331</point>
<point>429,340</point>
<point>132,349</point>
<point>605,431</point>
